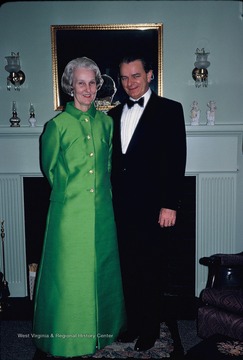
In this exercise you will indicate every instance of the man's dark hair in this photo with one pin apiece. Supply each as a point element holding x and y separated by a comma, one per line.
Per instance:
<point>147,63</point>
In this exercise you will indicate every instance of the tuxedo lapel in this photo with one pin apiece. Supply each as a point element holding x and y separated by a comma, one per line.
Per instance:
<point>142,128</point>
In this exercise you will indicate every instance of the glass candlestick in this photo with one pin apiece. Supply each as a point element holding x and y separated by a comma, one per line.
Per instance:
<point>14,120</point>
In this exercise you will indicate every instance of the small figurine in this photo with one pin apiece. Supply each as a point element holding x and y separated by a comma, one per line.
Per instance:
<point>195,113</point>
<point>211,112</point>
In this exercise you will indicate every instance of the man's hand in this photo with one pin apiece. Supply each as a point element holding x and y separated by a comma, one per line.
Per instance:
<point>167,217</point>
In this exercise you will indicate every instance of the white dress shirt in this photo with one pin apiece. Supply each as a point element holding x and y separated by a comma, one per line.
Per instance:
<point>129,120</point>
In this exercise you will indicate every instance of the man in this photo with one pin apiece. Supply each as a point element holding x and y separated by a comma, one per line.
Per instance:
<point>149,155</point>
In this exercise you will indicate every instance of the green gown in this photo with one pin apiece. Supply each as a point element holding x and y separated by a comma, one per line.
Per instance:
<point>79,303</point>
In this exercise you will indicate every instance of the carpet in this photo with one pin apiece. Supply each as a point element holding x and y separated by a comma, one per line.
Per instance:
<point>216,347</point>
<point>162,348</point>
<point>17,344</point>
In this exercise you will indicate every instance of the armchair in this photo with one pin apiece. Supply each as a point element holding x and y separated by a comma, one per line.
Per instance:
<point>221,309</point>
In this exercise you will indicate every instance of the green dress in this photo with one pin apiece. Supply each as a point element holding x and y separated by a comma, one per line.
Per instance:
<point>79,303</point>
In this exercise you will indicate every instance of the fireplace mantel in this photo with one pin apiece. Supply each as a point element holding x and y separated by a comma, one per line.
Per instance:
<point>212,156</point>
<point>210,148</point>
<point>213,148</point>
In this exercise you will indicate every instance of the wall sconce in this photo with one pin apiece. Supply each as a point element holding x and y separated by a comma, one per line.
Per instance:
<point>16,76</point>
<point>200,72</point>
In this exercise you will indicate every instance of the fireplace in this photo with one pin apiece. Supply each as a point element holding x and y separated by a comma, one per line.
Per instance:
<point>212,161</point>
<point>36,202</point>
<point>180,248</point>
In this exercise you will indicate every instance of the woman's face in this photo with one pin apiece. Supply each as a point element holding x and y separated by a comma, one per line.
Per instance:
<point>84,88</point>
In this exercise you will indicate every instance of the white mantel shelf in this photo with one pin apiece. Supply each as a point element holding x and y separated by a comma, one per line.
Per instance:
<point>20,131</point>
<point>190,129</point>
<point>208,129</point>
<point>213,154</point>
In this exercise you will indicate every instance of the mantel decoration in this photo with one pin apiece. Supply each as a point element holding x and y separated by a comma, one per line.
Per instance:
<point>114,41</point>
<point>32,119</point>
<point>195,113</point>
<point>200,72</point>
<point>211,112</point>
<point>16,76</point>
<point>14,120</point>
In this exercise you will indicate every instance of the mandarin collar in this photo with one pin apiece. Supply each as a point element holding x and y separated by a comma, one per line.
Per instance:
<point>71,109</point>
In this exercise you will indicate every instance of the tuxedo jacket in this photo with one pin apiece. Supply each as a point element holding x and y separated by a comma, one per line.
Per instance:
<point>149,176</point>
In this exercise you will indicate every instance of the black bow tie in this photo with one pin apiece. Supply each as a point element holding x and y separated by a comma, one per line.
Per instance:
<point>130,102</point>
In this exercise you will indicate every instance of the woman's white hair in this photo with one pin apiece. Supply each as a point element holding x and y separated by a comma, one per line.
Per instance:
<point>83,62</point>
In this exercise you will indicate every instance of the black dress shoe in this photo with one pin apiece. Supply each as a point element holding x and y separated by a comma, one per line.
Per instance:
<point>144,343</point>
<point>127,337</point>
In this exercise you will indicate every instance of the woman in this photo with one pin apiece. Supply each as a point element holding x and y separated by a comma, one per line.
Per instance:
<point>78,300</point>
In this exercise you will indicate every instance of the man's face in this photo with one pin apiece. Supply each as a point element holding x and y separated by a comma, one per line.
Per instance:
<point>134,79</point>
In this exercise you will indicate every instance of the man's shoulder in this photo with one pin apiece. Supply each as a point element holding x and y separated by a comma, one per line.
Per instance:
<point>163,100</point>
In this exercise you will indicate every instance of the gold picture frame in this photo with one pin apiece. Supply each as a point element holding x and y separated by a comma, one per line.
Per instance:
<point>105,44</point>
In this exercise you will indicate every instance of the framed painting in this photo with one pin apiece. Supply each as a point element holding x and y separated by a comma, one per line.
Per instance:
<point>105,44</point>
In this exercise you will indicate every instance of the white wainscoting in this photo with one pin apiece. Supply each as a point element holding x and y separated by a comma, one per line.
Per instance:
<point>213,153</point>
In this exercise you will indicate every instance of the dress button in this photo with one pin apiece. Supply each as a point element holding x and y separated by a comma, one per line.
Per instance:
<point>91,190</point>
<point>91,171</point>
<point>91,154</point>
<point>86,120</point>
<point>88,137</point>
